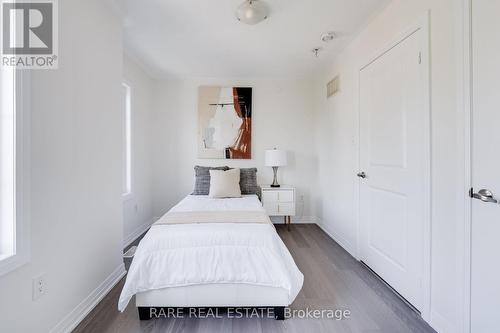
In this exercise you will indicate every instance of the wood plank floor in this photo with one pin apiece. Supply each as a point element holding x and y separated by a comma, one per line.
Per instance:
<point>333,280</point>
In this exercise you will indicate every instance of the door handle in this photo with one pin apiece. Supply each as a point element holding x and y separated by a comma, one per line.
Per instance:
<point>485,196</point>
<point>361,175</point>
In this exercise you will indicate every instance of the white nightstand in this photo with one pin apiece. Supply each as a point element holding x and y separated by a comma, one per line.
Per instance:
<point>279,201</point>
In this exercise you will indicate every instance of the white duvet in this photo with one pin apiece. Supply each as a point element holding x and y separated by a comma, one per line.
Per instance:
<point>203,253</point>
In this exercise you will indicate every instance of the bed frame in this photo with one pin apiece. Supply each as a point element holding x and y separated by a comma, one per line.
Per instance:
<point>220,296</point>
<point>147,313</point>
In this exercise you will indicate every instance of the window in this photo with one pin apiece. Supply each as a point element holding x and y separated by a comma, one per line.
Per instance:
<point>127,141</point>
<point>14,243</point>
<point>7,166</point>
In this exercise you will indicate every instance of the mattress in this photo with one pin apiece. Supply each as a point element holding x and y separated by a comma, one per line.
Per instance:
<point>212,264</point>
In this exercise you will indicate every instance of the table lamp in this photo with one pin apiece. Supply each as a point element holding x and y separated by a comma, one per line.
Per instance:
<point>275,158</point>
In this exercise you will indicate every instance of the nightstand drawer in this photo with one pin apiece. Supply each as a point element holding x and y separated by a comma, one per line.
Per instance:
<point>279,208</point>
<point>278,196</point>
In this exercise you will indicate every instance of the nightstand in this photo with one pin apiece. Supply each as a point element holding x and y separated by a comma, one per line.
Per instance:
<point>279,201</point>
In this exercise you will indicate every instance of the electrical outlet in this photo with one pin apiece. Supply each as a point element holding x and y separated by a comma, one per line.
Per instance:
<point>302,198</point>
<point>136,208</point>
<point>39,286</point>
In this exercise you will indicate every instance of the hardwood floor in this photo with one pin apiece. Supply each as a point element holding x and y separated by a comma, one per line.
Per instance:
<point>333,280</point>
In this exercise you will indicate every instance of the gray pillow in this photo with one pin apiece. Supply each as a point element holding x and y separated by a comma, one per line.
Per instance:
<point>202,179</point>
<point>248,181</point>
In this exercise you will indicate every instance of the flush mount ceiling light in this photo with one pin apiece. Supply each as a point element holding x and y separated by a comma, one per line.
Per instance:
<point>328,36</point>
<point>252,12</point>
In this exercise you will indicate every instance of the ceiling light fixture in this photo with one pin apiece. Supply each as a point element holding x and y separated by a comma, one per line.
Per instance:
<point>328,36</point>
<point>252,12</point>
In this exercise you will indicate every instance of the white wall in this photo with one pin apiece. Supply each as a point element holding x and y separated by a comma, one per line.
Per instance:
<point>76,212</point>
<point>336,139</point>
<point>138,208</point>
<point>282,117</point>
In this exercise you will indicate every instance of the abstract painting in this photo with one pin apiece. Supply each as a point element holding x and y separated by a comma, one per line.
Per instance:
<point>225,122</point>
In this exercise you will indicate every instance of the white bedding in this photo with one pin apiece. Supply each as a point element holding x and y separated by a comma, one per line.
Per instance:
<point>204,203</point>
<point>208,253</point>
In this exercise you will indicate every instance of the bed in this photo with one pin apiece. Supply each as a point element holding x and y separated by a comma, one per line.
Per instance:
<point>207,253</point>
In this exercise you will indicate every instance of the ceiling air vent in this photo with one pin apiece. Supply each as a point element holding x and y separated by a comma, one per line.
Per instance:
<point>332,87</point>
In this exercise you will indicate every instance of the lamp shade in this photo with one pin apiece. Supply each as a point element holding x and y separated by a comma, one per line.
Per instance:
<point>276,158</point>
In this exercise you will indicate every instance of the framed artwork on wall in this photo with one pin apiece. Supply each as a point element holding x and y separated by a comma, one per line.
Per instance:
<point>224,122</point>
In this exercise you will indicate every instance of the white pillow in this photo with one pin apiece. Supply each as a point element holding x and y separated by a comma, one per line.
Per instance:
<point>225,184</point>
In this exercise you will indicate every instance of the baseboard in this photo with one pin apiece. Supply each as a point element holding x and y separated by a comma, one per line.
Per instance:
<point>437,322</point>
<point>305,219</point>
<point>296,219</point>
<point>68,323</point>
<point>340,240</point>
<point>136,233</point>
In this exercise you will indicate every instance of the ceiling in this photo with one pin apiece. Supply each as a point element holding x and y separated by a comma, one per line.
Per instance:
<point>202,38</point>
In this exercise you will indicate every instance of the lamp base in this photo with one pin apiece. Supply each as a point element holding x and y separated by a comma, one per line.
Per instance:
<point>275,180</point>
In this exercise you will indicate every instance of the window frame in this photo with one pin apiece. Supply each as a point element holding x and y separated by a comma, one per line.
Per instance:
<point>22,188</point>
<point>127,141</point>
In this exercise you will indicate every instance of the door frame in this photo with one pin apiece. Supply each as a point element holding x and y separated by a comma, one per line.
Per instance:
<point>465,108</point>
<point>423,24</point>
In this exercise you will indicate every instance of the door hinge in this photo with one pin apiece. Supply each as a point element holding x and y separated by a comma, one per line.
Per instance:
<point>471,192</point>
<point>420,57</point>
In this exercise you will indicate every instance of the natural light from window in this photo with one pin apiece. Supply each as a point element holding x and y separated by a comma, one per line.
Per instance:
<point>7,163</point>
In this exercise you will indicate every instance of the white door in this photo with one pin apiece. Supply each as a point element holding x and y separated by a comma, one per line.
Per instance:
<point>485,229</point>
<point>393,152</point>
